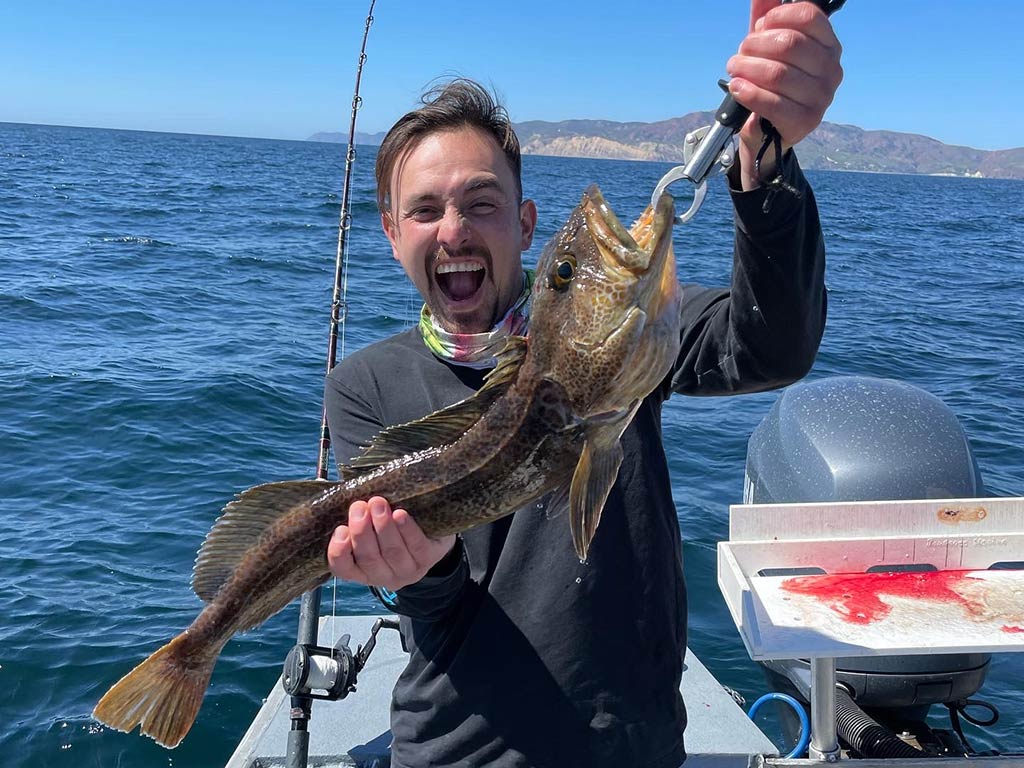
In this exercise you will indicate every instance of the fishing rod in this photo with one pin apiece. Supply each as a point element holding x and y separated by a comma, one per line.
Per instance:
<point>297,755</point>
<point>339,302</point>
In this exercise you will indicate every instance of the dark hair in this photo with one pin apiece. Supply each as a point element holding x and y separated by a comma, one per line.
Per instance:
<point>448,106</point>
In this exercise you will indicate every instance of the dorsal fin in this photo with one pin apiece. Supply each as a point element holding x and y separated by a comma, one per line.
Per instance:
<point>241,524</point>
<point>446,425</point>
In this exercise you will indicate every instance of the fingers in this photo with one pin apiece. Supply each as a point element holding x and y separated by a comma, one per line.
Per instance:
<point>340,560</point>
<point>791,99</point>
<point>787,69</point>
<point>341,550</point>
<point>766,82</point>
<point>382,552</point>
<point>383,548</point>
<point>785,49</point>
<point>804,16</point>
<point>362,555</point>
<point>759,8</point>
<point>425,551</point>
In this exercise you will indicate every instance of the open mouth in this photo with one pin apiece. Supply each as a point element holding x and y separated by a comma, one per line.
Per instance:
<point>459,281</point>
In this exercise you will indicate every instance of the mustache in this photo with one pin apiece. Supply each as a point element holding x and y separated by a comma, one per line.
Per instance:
<point>465,252</point>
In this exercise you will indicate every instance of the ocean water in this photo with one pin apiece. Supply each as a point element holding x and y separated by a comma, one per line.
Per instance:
<point>164,306</point>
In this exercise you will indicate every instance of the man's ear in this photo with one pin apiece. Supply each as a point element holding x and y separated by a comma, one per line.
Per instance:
<point>527,223</point>
<point>391,231</point>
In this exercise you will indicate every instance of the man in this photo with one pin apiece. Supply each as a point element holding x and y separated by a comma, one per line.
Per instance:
<point>521,655</point>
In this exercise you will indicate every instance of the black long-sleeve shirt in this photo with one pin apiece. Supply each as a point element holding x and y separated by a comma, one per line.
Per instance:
<point>521,655</point>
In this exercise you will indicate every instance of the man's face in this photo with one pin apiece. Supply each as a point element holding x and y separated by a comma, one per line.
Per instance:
<point>457,229</point>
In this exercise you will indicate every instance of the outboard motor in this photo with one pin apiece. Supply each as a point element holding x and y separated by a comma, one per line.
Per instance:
<point>856,438</point>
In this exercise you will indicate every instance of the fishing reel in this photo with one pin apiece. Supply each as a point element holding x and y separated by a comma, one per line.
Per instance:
<point>316,672</point>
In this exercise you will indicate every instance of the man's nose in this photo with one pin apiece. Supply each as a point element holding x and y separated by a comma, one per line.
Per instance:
<point>454,229</point>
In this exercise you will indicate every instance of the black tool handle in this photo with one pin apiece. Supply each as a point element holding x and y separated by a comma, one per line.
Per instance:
<point>828,6</point>
<point>733,115</point>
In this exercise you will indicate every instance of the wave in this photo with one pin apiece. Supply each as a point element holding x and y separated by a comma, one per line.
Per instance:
<point>138,240</point>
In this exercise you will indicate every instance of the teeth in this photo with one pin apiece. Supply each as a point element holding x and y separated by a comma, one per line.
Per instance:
<point>448,266</point>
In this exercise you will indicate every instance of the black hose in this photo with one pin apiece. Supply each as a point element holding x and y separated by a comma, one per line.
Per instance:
<point>866,735</point>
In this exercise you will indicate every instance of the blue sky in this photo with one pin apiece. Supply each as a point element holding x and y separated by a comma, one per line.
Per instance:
<point>946,69</point>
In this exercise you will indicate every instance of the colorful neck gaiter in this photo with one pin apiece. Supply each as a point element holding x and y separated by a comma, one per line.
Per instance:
<point>478,350</point>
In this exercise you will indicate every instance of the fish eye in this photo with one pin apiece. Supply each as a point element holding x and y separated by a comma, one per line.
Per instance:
<point>563,273</point>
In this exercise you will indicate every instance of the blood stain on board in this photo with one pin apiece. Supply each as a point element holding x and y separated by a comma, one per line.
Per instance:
<point>858,597</point>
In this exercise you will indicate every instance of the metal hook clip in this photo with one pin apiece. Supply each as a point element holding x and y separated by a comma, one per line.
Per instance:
<point>699,191</point>
<point>700,161</point>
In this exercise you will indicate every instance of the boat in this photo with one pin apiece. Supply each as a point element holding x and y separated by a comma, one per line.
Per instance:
<point>864,479</point>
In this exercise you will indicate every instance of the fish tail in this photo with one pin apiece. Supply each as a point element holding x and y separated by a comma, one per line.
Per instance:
<point>162,694</point>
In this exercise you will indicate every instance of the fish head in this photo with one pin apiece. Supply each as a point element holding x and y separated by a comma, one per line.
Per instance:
<point>605,318</point>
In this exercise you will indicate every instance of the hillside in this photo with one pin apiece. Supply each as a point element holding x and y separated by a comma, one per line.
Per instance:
<point>831,147</point>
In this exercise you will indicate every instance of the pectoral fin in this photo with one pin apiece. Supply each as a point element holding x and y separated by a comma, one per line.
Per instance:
<point>591,483</point>
<point>595,474</point>
<point>557,502</point>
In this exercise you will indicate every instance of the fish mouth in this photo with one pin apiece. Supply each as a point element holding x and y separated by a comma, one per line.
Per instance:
<point>642,253</point>
<point>638,250</point>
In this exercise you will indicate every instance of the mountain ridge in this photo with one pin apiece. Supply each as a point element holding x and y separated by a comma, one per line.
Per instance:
<point>832,146</point>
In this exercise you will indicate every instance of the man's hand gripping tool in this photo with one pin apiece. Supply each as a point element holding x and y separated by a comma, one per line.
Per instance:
<point>710,150</point>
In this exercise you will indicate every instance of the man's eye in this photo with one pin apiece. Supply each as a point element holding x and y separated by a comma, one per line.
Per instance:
<point>423,214</point>
<point>483,206</point>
